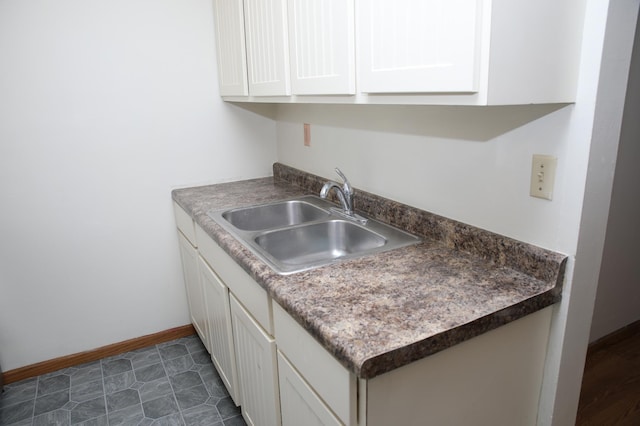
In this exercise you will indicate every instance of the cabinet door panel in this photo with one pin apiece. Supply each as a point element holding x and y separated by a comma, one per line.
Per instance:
<point>230,41</point>
<point>197,309</point>
<point>330,380</point>
<point>267,47</point>
<point>418,45</point>
<point>299,404</point>
<point>243,287</point>
<point>322,47</point>
<point>216,296</point>
<point>257,369</point>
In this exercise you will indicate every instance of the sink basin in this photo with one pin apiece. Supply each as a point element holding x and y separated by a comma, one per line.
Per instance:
<point>318,242</point>
<point>305,233</point>
<point>274,215</point>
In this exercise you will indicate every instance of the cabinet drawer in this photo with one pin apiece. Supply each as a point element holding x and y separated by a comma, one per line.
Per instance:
<point>185,224</point>
<point>244,288</point>
<point>299,404</point>
<point>330,380</point>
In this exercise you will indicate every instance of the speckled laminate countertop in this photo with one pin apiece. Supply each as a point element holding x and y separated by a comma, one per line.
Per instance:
<point>377,313</point>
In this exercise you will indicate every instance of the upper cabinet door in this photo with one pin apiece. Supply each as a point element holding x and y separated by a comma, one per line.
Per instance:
<point>322,47</point>
<point>413,46</point>
<point>232,63</point>
<point>267,47</point>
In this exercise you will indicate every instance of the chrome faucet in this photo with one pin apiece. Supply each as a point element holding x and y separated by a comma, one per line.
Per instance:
<point>345,193</point>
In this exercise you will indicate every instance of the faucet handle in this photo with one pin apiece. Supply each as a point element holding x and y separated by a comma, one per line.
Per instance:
<point>347,191</point>
<point>347,185</point>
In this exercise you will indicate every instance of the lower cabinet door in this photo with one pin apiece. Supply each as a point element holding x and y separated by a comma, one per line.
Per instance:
<point>197,308</point>
<point>216,296</point>
<point>299,404</point>
<point>257,369</point>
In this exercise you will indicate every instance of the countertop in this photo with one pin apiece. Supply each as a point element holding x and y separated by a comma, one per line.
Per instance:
<point>380,312</point>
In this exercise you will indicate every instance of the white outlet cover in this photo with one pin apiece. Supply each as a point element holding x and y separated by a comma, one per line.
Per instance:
<point>543,174</point>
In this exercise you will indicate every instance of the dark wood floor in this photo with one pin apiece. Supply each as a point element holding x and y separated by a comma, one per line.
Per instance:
<point>611,384</point>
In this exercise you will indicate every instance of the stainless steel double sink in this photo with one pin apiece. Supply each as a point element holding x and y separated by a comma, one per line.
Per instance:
<point>306,232</point>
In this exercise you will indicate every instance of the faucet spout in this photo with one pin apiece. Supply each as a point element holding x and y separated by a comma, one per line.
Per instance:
<point>344,192</point>
<point>324,193</point>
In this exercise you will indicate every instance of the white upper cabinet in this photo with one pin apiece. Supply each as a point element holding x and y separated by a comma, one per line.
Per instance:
<point>418,46</point>
<point>322,47</point>
<point>267,47</point>
<point>230,44</point>
<point>437,52</point>
<point>252,45</point>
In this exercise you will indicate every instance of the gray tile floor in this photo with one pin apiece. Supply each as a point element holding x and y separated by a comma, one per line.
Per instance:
<point>173,383</point>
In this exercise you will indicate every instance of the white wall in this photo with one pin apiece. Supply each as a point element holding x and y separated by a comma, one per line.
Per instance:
<point>467,163</point>
<point>618,295</point>
<point>473,165</point>
<point>105,106</point>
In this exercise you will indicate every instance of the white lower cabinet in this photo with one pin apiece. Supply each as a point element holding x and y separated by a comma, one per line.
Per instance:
<point>232,315</point>
<point>197,309</point>
<point>492,379</point>
<point>216,298</point>
<point>299,403</point>
<point>330,380</point>
<point>280,375</point>
<point>257,369</point>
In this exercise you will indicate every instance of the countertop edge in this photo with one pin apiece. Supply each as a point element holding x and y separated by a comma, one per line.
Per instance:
<point>439,342</point>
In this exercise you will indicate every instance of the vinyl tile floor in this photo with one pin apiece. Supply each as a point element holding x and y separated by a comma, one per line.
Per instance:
<point>172,383</point>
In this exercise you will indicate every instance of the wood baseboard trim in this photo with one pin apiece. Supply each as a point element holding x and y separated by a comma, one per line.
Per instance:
<point>612,338</point>
<point>55,364</point>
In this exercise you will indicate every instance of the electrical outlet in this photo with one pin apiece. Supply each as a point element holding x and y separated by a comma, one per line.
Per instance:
<point>543,174</point>
<point>307,134</point>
